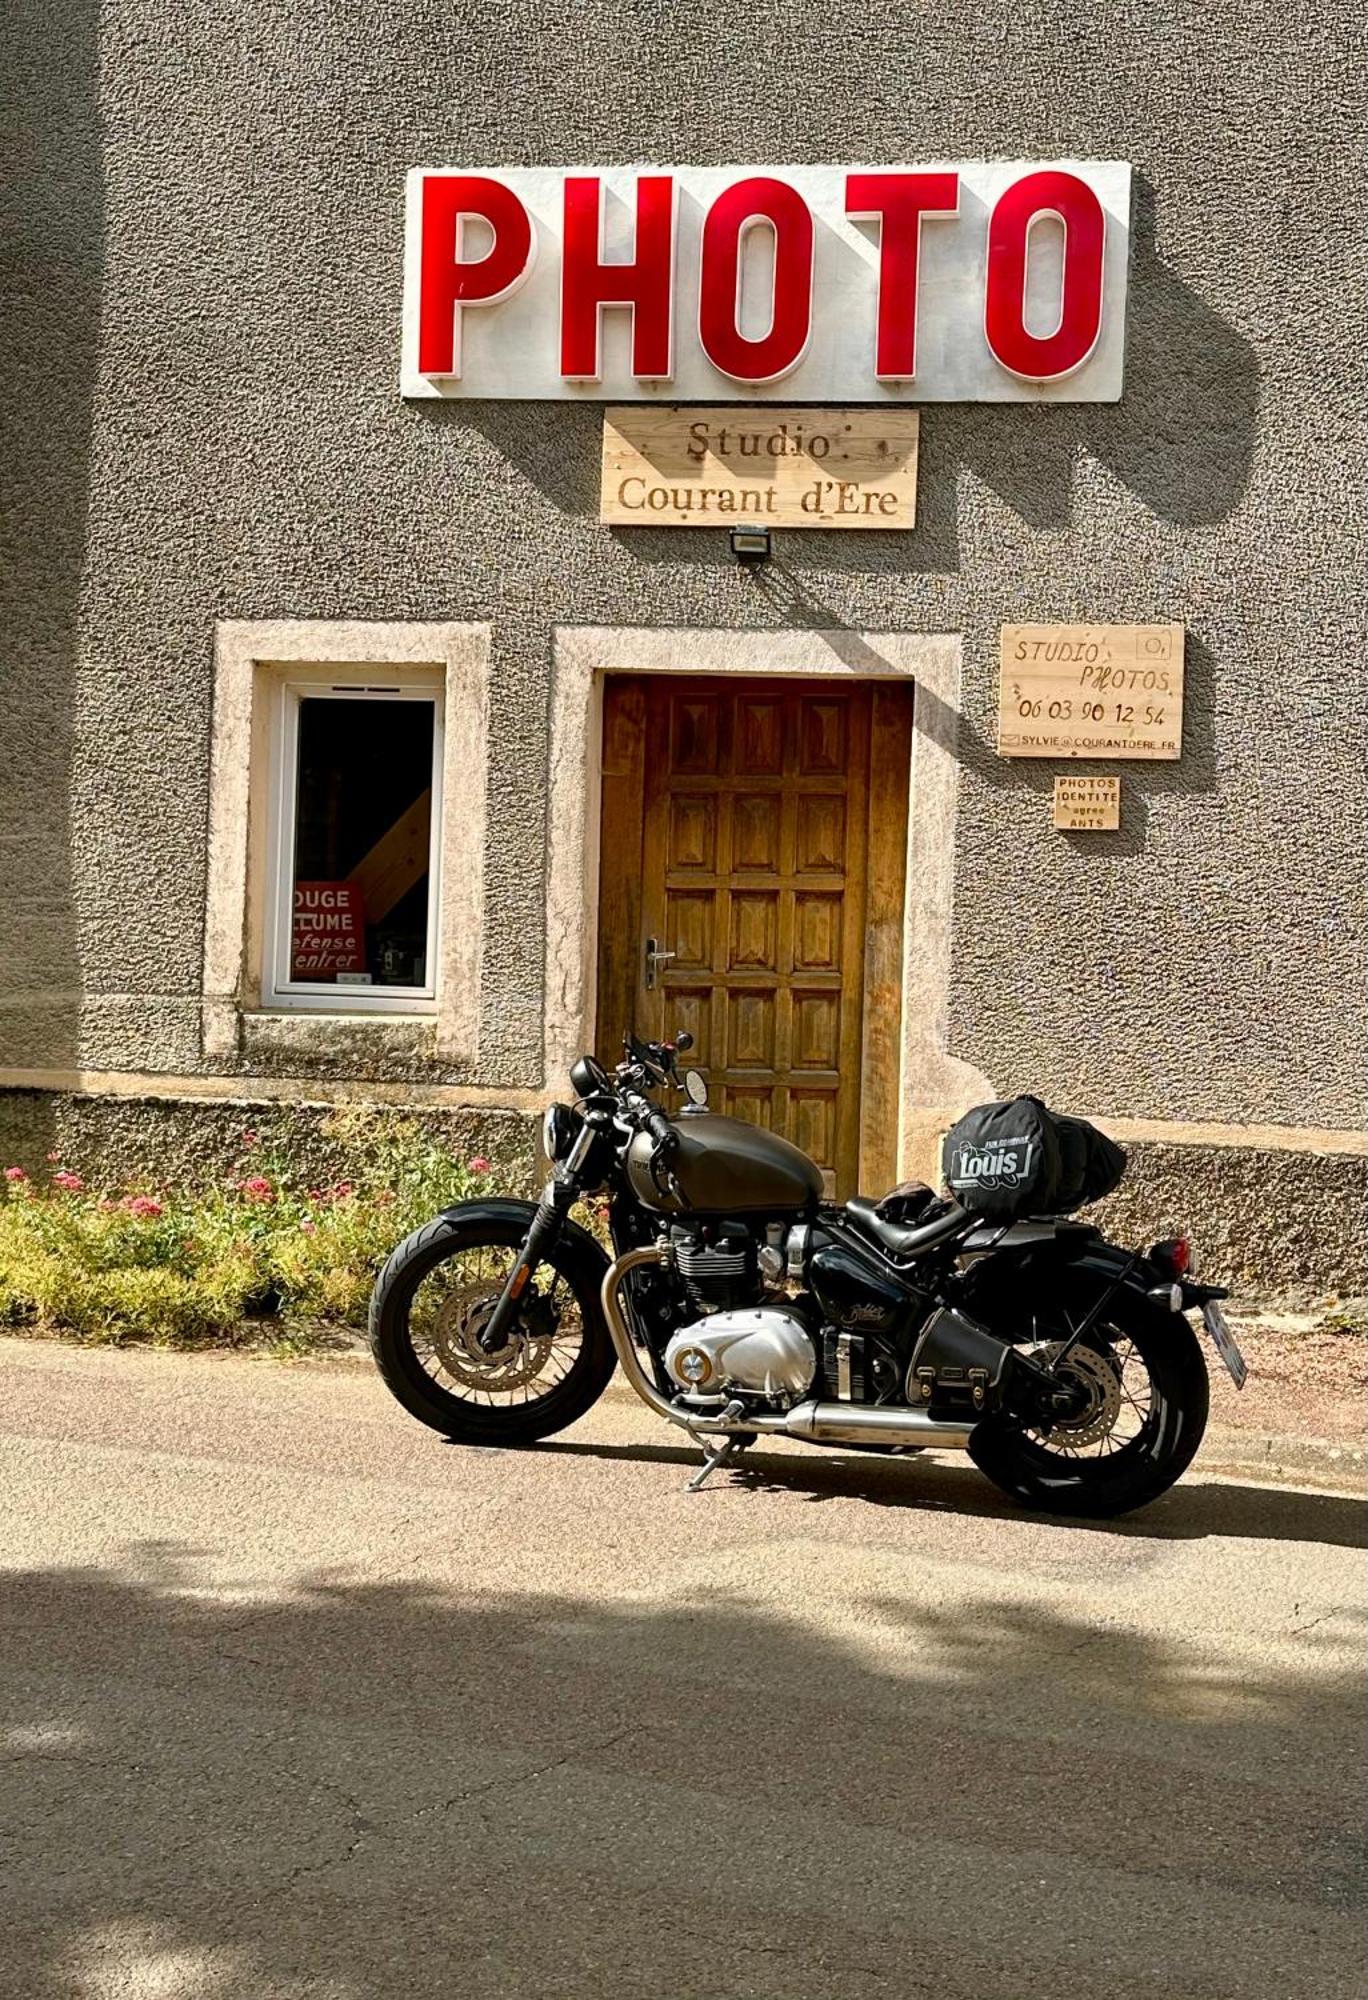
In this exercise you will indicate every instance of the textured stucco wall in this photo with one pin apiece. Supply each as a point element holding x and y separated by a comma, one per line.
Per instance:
<point>207,256</point>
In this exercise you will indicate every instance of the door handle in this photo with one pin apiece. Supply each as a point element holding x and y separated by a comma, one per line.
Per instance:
<point>655,958</point>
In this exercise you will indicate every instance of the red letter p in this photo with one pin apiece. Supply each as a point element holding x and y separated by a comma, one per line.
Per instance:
<point>448,281</point>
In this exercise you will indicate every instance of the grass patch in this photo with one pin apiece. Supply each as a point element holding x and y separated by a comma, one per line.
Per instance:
<point>1349,1316</point>
<point>265,1255</point>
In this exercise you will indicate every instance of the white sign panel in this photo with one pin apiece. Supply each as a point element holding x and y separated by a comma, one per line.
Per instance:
<point>976,281</point>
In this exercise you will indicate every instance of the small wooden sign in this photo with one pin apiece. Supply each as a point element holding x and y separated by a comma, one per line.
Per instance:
<point>1091,691</point>
<point>681,466</point>
<point>1087,805</point>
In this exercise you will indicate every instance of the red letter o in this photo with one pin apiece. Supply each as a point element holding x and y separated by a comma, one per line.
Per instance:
<point>1072,202</point>
<point>734,212</point>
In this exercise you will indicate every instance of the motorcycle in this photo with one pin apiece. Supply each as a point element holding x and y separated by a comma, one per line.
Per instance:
<point>740,1304</point>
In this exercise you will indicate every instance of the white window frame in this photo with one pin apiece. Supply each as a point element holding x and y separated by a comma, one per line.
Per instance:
<point>371,682</point>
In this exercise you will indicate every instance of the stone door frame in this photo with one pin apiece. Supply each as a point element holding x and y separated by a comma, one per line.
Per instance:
<point>935,1087</point>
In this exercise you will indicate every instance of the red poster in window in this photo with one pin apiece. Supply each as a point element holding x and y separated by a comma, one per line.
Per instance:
<point>327,930</point>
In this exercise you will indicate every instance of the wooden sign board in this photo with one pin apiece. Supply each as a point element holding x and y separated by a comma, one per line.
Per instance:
<point>685,467</point>
<point>1087,805</point>
<point>1091,691</point>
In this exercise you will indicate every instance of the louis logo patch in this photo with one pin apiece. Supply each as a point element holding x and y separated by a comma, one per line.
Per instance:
<point>1004,1164</point>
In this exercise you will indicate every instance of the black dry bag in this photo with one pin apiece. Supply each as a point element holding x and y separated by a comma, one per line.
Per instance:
<point>1092,1164</point>
<point>1017,1158</point>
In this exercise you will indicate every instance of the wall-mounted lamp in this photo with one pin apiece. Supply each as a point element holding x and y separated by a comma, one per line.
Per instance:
<point>750,546</point>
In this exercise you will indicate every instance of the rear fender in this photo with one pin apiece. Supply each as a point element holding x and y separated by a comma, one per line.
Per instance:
<point>998,1282</point>
<point>1108,1262</point>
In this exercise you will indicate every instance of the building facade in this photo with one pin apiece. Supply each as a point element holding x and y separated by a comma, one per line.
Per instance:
<point>348,752</point>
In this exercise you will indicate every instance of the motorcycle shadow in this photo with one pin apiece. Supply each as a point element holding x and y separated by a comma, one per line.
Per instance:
<point>1192,1510</point>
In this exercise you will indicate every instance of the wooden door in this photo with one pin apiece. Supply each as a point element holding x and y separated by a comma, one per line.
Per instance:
<point>756,831</point>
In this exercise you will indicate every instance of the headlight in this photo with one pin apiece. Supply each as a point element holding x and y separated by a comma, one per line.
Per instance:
<point>559,1129</point>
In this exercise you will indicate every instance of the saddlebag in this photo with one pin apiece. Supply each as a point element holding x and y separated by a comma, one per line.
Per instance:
<point>1016,1158</point>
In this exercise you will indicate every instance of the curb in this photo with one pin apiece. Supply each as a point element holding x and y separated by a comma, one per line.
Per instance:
<point>1286,1461</point>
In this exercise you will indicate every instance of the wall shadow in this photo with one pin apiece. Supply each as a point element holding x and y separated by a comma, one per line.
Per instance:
<point>1181,439</point>
<point>373,1788</point>
<point>788,597</point>
<point>52,244</point>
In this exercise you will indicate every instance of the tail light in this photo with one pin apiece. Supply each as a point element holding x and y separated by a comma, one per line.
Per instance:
<point>1173,1256</point>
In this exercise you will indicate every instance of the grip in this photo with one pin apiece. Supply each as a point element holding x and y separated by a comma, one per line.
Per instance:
<point>662,1131</point>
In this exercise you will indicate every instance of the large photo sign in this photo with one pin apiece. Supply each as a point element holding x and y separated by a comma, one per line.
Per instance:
<point>977,281</point>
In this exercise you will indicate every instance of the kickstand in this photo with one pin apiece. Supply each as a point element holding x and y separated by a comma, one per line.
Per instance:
<point>714,1456</point>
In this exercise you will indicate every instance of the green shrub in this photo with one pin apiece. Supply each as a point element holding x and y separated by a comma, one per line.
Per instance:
<point>180,1266</point>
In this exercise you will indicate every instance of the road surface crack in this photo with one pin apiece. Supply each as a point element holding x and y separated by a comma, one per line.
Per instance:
<point>514,1781</point>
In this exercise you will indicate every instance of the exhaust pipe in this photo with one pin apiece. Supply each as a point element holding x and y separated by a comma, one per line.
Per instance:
<point>863,1423</point>
<point>818,1422</point>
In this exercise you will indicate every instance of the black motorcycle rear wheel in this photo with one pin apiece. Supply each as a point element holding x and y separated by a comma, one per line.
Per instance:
<point>1091,1468</point>
<point>430,1303</point>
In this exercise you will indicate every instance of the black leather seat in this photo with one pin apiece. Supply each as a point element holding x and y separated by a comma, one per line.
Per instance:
<point>864,1213</point>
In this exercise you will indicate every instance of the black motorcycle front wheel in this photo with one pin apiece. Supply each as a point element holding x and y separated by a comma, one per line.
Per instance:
<point>1143,1395</point>
<point>433,1300</point>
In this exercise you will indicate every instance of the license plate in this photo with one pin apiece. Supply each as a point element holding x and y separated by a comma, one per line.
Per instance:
<point>1223,1340</point>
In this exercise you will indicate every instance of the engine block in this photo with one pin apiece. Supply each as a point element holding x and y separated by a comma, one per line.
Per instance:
<point>719,1273</point>
<point>761,1351</point>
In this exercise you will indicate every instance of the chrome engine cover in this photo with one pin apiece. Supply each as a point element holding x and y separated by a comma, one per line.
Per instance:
<point>759,1350</point>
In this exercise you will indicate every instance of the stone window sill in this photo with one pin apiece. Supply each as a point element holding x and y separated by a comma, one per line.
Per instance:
<point>376,1037</point>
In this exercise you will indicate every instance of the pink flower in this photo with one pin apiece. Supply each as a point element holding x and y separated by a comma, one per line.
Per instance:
<point>258,1188</point>
<point>72,1183</point>
<point>480,1165</point>
<point>54,1156</point>
<point>248,1140</point>
<point>308,1228</point>
<point>143,1205</point>
<point>15,1174</point>
<point>340,1190</point>
<point>314,1194</point>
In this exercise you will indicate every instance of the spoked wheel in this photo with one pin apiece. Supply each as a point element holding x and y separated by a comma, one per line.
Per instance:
<point>431,1305</point>
<point>1137,1412</point>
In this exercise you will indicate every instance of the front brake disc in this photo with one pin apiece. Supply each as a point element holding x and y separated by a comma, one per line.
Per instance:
<point>455,1335</point>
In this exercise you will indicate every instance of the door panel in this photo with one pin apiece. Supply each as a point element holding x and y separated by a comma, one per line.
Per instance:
<point>736,833</point>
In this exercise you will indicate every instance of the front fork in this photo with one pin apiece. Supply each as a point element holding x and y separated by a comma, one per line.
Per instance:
<point>558,1198</point>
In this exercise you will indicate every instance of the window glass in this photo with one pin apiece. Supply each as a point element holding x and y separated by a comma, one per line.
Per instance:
<point>363,821</point>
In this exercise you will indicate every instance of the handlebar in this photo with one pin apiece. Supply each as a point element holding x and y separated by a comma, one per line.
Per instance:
<point>661,1130</point>
<point>651,1119</point>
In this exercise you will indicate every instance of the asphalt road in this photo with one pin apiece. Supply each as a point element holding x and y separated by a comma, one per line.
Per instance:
<point>300,1703</point>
